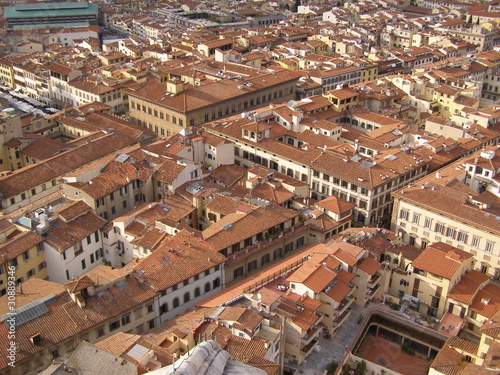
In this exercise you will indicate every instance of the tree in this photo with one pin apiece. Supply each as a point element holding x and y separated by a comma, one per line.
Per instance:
<point>361,368</point>
<point>332,367</point>
<point>295,6</point>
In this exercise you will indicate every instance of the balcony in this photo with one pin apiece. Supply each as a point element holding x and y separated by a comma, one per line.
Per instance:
<point>339,320</point>
<point>344,305</point>
<point>310,335</point>
<point>309,347</point>
<point>374,280</point>
<point>372,291</point>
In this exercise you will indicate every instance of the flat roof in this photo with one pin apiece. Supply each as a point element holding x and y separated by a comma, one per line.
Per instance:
<point>50,10</point>
<point>41,25</point>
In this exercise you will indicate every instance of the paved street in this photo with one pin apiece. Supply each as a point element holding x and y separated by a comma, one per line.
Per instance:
<point>333,349</point>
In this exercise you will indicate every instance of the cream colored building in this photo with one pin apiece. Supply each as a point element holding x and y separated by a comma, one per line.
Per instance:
<point>166,108</point>
<point>456,205</point>
<point>23,252</point>
<point>435,272</point>
<point>90,308</point>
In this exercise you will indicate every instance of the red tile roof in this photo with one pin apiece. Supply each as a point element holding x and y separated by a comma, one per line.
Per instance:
<point>441,259</point>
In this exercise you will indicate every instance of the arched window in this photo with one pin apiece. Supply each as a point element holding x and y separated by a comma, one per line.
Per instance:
<point>216,283</point>
<point>176,302</point>
<point>207,287</point>
<point>187,297</point>
<point>163,308</point>
<point>197,292</point>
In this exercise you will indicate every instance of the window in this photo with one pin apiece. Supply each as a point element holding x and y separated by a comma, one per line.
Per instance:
<point>288,247</point>
<point>252,265</point>
<point>197,292</point>
<point>238,272</point>
<point>187,297</point>
<point>427,223</point>
<point>84,265</point>
<point>55,353</point>
<point>100,202</point>
<point>92,258</point>
<point>439,228</point>
<point>150,308</point>
<point>176,302</point>
<point>450,232</point>
<point>278,253</point>
<point>475,242</point>
<point>403,214</point>
<point>462,237</point>
<point>216,283</point>
<point>489,247</point>
<point>416,219</point>
<point>89,240</point>
<point>125,319</point>
<point>163,308</point>
<point>26,255</point>
<point>114,325</point>
<point>100,331</point>
<point>123,190</point>
<point>300,241</point>
<point>30,273</point>
<point>266,258</point>
<point>207,287</point>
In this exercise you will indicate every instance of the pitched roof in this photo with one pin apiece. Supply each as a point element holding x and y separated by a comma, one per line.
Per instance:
<point>31,176</point>
<point>181,256</point>
<point>369,265</point>
<point>469,284</point>
<point>59,318</point>
<point>441,259</point>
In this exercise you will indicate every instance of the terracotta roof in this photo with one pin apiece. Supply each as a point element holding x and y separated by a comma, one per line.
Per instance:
<point>441,259</point>
<point>181,256</point>
<point>18,245</point>
<point>487,301</point>
<point>79,284</point>
<point>469,284</point>
<point>370,266</point>
<point>194,98</point>
<point>335,204</point>
<point>228,174</point>
<point>339,291</point>
<point>236,227</point>
<point>62,318</point>
<point>305,319</point>
<point>31,176</point>
<point>63,235</point>
<point>121,344</point>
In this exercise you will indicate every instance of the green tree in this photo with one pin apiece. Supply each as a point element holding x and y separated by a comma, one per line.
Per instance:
<point>332,367</point>
<point>295,6</point>
<point>361,368</point>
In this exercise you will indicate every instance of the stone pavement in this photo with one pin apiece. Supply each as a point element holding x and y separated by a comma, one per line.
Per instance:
<point>333,349</point>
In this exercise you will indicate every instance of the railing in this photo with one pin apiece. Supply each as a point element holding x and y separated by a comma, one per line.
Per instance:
<point>374,280</point>
<point>372,291</point>
<point>309,347</point>
<point>340,319</point>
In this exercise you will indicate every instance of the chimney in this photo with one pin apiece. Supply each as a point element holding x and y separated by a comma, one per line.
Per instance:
<point>175,87</point>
